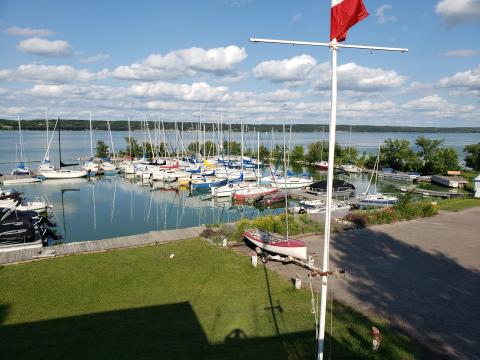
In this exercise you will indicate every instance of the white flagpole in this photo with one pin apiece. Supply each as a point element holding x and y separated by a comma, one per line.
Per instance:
<point>331,156</point>
<point>328,213</point>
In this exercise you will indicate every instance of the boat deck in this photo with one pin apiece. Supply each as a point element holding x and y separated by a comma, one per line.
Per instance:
<point>150,238</point>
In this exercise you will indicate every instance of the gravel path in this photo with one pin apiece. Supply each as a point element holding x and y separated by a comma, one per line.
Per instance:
<point>422,275</point>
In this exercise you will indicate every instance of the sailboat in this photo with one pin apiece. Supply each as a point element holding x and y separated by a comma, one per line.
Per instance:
<point>47,171</point>
<point>276,243</point>
<point>375,199</point>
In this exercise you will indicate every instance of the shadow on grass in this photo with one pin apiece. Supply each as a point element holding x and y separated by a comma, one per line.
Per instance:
<point>428,293</point>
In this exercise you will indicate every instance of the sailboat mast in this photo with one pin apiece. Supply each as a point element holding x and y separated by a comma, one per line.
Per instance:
<point>129,139</point>
<point>258,157</point>
<point>241,145</point>
<point>46,123</point>
<point>91,136</point>
<point>285,175</point>
<point>59,141</point>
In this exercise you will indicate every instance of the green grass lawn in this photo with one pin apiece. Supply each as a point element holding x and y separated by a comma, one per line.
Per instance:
<point>458,204</point>
<point>204,303</point>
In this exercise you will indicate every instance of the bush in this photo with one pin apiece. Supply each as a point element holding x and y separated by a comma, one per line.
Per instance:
<point>359,218</point>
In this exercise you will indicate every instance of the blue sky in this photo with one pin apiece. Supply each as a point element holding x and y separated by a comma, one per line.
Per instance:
<point>123,59</point>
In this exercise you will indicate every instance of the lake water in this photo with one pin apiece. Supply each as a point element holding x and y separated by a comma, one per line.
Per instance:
<point>113,206</point>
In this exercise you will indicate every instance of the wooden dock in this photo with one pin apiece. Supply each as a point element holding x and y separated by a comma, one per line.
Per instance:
<point>150,238</point>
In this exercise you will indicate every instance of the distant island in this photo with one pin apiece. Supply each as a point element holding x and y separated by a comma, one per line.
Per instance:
<point>122,125</point>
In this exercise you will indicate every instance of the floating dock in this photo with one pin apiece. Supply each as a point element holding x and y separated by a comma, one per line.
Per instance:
<point>150,238</point>
<point>450,181</point>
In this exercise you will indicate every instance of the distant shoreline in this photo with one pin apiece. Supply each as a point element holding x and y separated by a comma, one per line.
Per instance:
<point>122,125</point>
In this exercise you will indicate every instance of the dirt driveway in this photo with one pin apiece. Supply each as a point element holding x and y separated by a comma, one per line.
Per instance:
<point>422,275</point>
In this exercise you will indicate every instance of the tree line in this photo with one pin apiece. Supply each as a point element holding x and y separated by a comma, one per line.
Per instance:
<point>429,156</point>
<point>122,125</point>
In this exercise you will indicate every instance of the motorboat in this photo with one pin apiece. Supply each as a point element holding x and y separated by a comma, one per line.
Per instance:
<point>277,244</point>
<point>376,200</point>
<point>24,230</point>
<point>318,206</point>
<point>340,188</point>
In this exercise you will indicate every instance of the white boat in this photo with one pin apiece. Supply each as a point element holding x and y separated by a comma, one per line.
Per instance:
<point>350,168</point>
<point>38,205</point>
<point>18,179</point>
<point>228,190</point>
<point>291,182</point>
<point>318,206</point>
<point>376,200</point>
<point>276,243</point>
<point>47,171</point>
<point>62,173</point>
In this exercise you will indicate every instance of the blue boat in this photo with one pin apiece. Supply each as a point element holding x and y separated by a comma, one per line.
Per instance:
<point>206,184</point>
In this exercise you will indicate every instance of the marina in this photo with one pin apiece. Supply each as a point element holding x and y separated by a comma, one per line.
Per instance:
<point>226,180</point>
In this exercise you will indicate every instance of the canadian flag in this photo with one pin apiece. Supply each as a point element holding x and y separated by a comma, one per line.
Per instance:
<point>345,14</point>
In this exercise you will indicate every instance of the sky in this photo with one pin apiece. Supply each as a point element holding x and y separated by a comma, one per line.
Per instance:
<point>173,60</point>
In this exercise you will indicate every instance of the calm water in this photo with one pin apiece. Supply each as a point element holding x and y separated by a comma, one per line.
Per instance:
<point>114,206</point>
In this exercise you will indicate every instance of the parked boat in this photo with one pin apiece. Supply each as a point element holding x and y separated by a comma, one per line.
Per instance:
<point>340,188</point>
<point>271,199</point>
<point>376,200</point>
<point>277,244</point>
<point>318,206</point>
<point>207,183</point>
<point>350,168</point>
<point>24,230</point>
<point>253,192</point>
<point>47,171</point>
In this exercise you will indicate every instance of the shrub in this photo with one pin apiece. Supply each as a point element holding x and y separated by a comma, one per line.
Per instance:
<point>359,218</point>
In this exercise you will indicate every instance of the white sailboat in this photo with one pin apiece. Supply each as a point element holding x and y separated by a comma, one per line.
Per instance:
<point>47,171</point>
<point>375,199</point>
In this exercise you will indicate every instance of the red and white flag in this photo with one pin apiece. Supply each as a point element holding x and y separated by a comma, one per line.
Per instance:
<point>345,14</point>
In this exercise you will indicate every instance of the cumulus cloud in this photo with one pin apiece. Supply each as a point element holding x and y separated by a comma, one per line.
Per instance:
<point>295,69</point>
<point>382,17</point>
<point>44,47</point>
<point>28,32</point>
<point>218,61</point>
<point>361,78</point>
<point>195,92</point>
<point>466,80</point>
<point>94,58</point>
<point>5,74</point>
<point>52,73</point>
<point>458,12</point>
<point>438,107</point>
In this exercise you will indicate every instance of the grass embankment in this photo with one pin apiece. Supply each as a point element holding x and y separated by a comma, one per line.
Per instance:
<point>458,204</point>
<point>298,224</point>
<point>405,209</point>
<point>203,303</point>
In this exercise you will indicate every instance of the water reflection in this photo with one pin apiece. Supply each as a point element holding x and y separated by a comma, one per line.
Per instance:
<point>106,207</point>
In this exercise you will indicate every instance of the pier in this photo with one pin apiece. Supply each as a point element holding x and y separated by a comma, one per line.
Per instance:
<point>150,238</point>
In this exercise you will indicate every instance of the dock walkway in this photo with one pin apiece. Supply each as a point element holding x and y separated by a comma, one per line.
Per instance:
<point>150,238</point>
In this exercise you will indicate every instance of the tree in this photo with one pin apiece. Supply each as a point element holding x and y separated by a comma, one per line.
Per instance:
<point>446,159</point>
<point>428,153</point>
<point>397,154</point>
<point>297,153</point>
<point>472,160</point>
<point>264,153</point>
<point>316,152</point>
<point>102,149</point>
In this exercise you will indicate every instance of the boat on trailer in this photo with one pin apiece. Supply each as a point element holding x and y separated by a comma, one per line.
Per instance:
<point>276,243</point>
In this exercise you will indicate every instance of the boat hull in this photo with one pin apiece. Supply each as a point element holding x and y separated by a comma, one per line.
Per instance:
<point>63,174</point>
<point>293,248</point>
